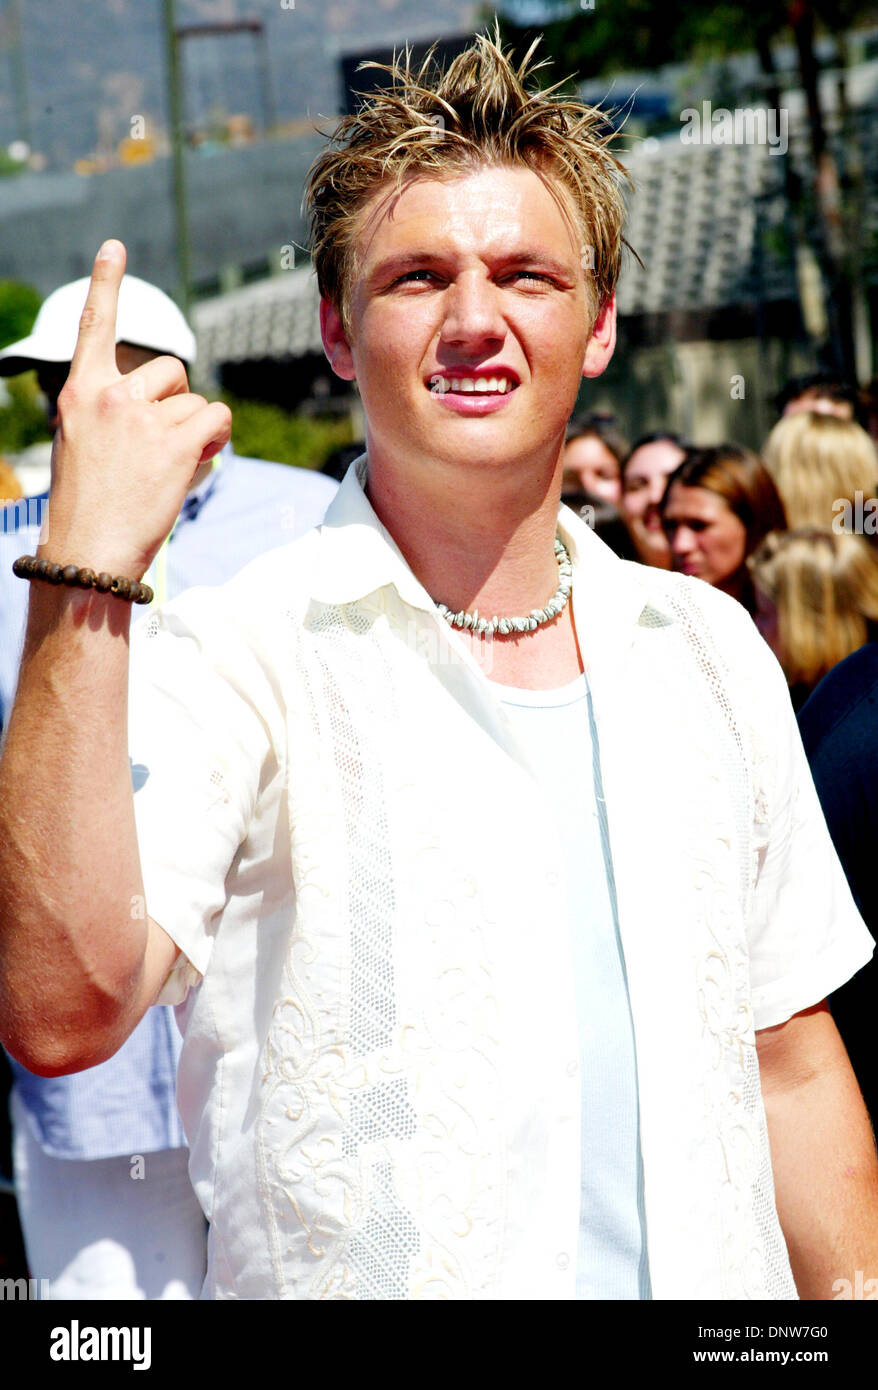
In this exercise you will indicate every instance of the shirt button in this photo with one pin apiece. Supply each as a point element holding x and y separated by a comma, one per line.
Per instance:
<point>572,1068</point>
<point>562,1260</point>
<point>552,880</point>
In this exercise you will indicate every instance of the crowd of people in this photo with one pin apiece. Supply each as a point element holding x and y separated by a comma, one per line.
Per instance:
<point>787,533</point>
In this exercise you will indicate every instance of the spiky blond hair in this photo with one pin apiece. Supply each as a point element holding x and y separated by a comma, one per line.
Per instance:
<point>438,123</point>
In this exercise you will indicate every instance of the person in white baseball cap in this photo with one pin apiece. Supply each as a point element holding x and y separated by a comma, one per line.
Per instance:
<point>148,322</point>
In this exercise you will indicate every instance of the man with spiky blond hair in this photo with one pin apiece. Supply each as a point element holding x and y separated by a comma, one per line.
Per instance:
<point>485,866</point>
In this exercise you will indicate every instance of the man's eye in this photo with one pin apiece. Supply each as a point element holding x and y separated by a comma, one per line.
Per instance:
<point>530,275</point>
<point>411,274</point>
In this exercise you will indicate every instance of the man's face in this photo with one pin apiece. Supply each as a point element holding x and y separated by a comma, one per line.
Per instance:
<point>52,375</point>
<point>643,486</point>
<point>470,322</point>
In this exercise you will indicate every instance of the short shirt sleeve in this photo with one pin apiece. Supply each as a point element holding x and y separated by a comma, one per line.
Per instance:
<point>806,937</point>
<point>198,747</point>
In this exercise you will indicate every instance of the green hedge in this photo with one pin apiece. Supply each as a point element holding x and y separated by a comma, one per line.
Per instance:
<point>258,430</point>
<point>23,419</point>
<point>18,309</point>
<point>268,432</point>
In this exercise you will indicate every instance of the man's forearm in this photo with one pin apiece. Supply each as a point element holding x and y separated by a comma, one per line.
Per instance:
<point>823,1154</point>
<point>70,948</point>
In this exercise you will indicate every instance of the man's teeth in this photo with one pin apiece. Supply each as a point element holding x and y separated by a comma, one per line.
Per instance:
<point>479,385</point>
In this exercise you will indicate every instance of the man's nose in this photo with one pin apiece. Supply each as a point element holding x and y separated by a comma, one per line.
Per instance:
<point>472,311</point>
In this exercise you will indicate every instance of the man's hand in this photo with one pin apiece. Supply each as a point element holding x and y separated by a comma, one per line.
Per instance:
<point>127,447</point>
<point>822,1153</point>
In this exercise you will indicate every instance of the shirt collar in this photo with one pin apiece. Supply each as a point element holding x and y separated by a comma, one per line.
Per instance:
<point>359,556</point>
<point>622,591</point>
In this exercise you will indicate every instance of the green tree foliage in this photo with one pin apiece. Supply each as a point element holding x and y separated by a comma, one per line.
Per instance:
<point>8,165</point>
<point>268,432</point>
<point>22,414</point>
<point>18,309</point>
<point>620,35</point>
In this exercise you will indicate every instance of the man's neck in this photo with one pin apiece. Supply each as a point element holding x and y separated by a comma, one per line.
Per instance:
<point>476,542</point>
<point>485,543</point>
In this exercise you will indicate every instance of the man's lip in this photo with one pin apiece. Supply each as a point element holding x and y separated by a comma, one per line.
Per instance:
<point>470,403</point>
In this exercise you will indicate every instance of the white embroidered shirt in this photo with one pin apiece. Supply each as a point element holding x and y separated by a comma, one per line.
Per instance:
<point>341,832</point>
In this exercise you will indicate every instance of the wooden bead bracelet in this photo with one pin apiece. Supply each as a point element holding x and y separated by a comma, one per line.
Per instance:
<point>131,590</point>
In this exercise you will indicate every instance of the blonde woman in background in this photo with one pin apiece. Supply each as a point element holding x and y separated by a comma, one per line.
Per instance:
<point>816,601</point>
<point>818,462</point>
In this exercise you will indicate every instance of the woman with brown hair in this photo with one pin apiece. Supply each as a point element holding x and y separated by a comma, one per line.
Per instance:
<point>817,601</point>
<point>819,462</point>
<point>717,507</point>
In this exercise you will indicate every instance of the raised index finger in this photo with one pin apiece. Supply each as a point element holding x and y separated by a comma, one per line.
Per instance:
<point>96,343</point>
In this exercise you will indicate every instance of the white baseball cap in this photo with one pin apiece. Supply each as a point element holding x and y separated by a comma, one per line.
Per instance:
<point>146,317</point>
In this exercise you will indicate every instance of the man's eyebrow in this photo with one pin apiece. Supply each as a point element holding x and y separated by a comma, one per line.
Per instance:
<point>527,256</point>
<point>535,256</point>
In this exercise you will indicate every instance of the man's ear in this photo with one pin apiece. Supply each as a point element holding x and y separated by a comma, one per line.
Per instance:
<point>602,343</point>
<point>335,343</point>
